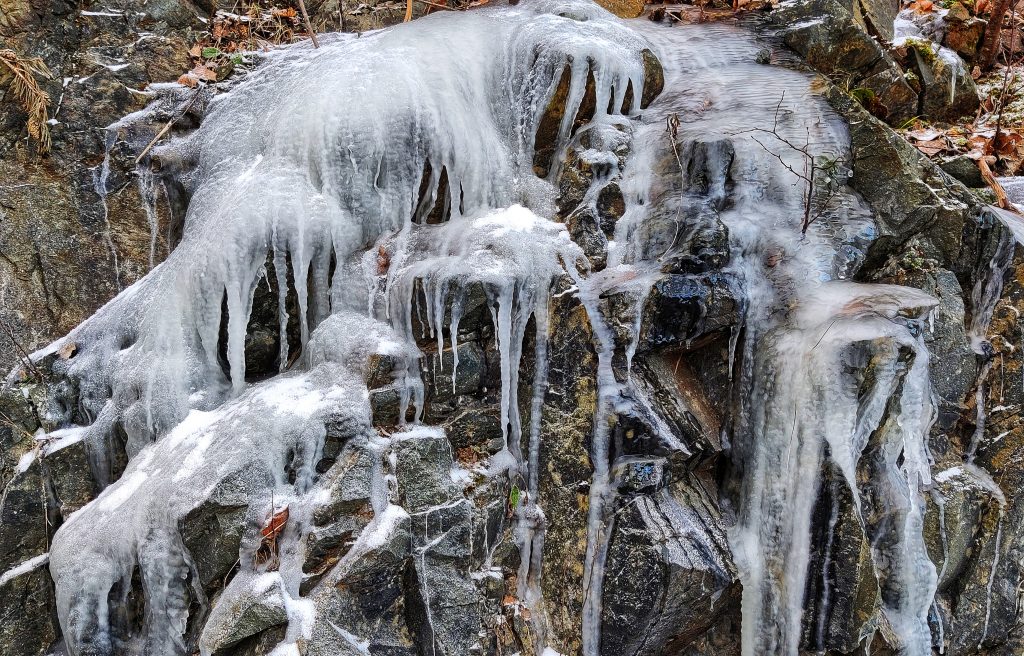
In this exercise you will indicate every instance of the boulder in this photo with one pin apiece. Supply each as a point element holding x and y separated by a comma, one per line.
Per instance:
<point>246,608</point>
<point>669,571</point>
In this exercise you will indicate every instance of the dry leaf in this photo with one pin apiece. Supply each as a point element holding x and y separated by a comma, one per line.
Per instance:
<point>933,147</point>
<point>203,73</point>
<point>924,134</point>
<point>275,524</point>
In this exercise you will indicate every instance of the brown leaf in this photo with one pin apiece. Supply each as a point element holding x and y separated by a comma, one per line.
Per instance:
<point>924,134</point>
<point>933,147</point>
<point>65,352</point>
<point>188,80</point>
<point>196,51</point>
<point>1008,143</point>
<point>275,524</point>
<point>203,73</point>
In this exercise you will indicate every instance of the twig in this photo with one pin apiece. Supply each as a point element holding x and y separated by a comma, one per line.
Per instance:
<point>1006,81</point>
<point>990,41</point>
<point>24,356</point>
<point>990,179</point>
<point>309,27</point>
<point>166,128</point>
<point>810,170</point>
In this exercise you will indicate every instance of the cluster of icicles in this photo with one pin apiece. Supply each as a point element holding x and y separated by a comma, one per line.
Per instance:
<point>320,160</point>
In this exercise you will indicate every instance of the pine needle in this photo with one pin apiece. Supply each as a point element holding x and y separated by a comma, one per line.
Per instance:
<point>29,94</point>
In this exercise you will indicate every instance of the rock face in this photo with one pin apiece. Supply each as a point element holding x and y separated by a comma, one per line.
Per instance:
<point>467,555</point>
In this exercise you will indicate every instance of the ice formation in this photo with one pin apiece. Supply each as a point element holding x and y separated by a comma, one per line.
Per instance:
<point>804,325</point>
<point>392,175</point>
<point>317,161</point>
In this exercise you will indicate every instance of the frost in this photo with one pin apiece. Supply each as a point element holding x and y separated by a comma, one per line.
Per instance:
<point>23,568</point>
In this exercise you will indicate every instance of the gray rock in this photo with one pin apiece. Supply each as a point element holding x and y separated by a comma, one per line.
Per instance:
<point>910,196</point>
<point>424,472</point>
<point>247,607</point>
<point>668,568</point>
<point>212,532</point>
<point>28,623</point>
<point>24,521</point>
<point>963,169</point>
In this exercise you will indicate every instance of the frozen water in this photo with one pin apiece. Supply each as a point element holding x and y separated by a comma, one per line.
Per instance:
<point>326,165</point>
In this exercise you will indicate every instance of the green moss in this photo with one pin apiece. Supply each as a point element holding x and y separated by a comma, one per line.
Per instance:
<point>923,47</point>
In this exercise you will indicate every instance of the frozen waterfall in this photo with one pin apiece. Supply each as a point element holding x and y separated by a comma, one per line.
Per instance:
<point>390,176</point>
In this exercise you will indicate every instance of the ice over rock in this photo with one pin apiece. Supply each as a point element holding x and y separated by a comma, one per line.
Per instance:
<point>388,176</point>
<point>317,160</point>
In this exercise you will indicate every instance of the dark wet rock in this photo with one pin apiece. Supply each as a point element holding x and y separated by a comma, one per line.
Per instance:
<point>471,377</point>
<point>841,571</point>
<point>640,475</point>
<point>424,471</point>
<point>668,569</point>
<point>29,626</point>
<point>680,401</point>
<point>708,165</point>
<point>682,308</point>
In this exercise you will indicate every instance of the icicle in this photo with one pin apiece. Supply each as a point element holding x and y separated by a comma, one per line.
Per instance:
<point>453,329</point>
<point>99,181</point>
<point>826,565</point>
<point>992,578</point>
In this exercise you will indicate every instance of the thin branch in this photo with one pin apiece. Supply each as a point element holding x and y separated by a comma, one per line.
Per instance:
<point>167,128</point>
<point>1004,91</point>
<point>24,356</point>
<point>309,27</point>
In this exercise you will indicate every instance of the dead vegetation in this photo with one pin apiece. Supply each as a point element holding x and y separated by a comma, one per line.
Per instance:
<point>994,137</point>
<point>19,74</point>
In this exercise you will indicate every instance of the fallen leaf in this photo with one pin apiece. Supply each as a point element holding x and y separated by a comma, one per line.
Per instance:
<point>275,524</point>
<point>924,134</point>
<point>933,147</point>
<point>203,73</point>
